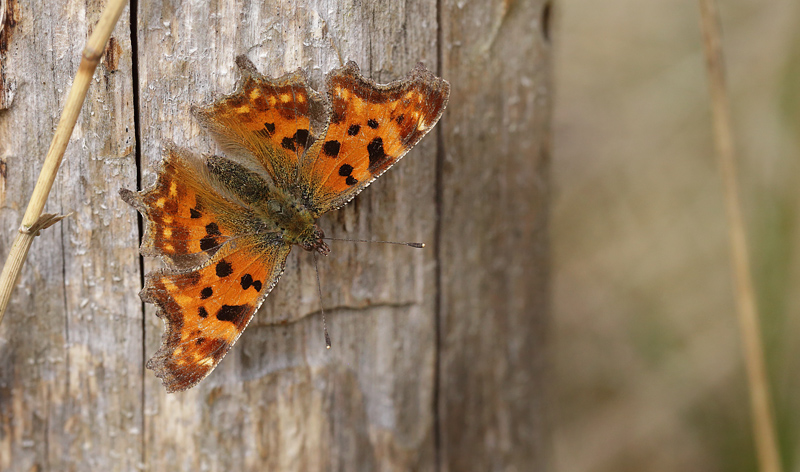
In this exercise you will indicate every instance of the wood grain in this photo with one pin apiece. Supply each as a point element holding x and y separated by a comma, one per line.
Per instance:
<point>437,353</point>
<point>71,343</point>
<point>494,252</point>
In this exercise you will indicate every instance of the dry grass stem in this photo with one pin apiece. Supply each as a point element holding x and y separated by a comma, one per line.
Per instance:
<point>89,60</point>
<point>763,421</point>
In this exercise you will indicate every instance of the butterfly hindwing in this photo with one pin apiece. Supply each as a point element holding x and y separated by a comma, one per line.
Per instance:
<point>206,309</point>
<point>270,121</point>
<point>219,267</point>
<point>371,127</point>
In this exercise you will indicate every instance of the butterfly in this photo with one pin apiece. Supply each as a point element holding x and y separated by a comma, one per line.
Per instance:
<point>224,225</point>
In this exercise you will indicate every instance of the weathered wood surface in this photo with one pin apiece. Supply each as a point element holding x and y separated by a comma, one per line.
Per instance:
<point>71,343</point>
<point>438,354</point>
<point>494,254</point>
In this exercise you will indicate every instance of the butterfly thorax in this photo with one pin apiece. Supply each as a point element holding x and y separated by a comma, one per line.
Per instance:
<point>277,211</point>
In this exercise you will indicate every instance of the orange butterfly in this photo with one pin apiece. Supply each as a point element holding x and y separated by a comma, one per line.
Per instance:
<point>224,225</point>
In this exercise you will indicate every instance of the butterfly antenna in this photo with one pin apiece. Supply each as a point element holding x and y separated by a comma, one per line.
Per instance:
<point>321,309</point>
<point>416,245</point>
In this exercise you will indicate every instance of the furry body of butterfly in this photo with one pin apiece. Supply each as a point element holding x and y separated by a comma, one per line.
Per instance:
<point>224,225</point>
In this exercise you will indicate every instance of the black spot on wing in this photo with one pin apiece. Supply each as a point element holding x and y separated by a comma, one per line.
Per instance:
<point>224,268</point>
<point>331,148</point>
<point>345,170</point>
<point>202,312</point>
<point>194,213</point>
<point>288,144</point>
<point>372,124</point>
<point>233,313</point>
<point>350,180</point>
<point>353,130</point>
<point>207,243</point>
<point>209,240</point>
<point>270,127</point>
<point>247,281</point>
<point>206,293</point>
<point>212,229</point>
<point>302,137</point>
<point>377,156</point>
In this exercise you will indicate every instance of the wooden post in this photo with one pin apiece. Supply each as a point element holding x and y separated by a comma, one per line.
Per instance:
<point>493,245</point>
<point>71,343</point>
<point>437,353</point>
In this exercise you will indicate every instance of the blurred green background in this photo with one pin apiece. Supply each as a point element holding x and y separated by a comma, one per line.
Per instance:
<point>648,365</point>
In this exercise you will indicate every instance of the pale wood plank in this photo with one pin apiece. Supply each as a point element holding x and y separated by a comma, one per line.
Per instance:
<point>71,342</point>
<point>279,400</point>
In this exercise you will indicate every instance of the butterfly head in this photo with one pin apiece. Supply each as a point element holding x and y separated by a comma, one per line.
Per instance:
<point>314,241</point>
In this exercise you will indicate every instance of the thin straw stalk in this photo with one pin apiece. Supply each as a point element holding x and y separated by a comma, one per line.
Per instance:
<point>753,349</point>
<point>34,221</point>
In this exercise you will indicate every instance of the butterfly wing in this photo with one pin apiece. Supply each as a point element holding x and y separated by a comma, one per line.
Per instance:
<point>269,121</point>
<point>211,244</point>
<point>371,127</point>
<point>205,310</point>
<point>185,221</point>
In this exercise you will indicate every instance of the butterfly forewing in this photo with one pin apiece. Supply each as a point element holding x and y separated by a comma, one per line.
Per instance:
<point>371,127</point>
<point>185,216</point>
